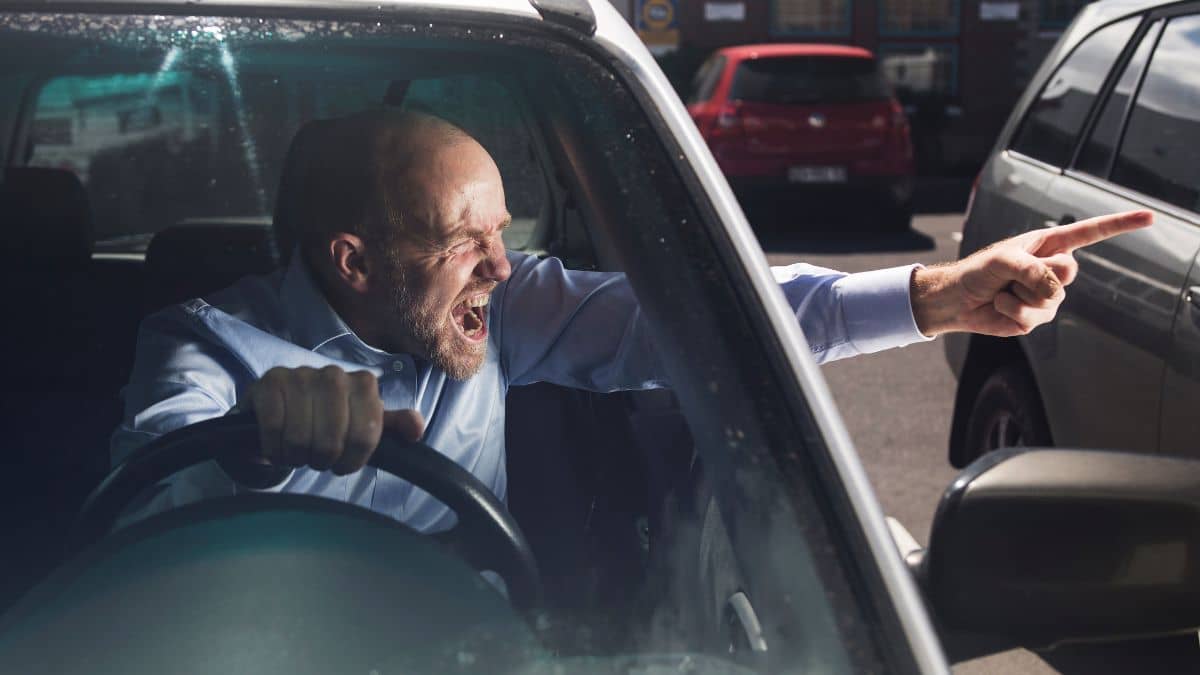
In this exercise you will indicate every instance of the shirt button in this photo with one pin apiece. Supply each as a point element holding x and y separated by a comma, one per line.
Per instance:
<point>398,366</point>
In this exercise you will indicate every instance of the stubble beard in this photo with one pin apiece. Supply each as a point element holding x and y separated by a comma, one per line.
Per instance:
<point>430,328</point>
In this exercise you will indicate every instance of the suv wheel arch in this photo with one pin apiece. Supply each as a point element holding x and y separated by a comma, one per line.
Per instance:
<point>985,356</point>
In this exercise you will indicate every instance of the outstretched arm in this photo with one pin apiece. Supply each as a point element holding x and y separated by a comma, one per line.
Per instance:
<point>584,329</point>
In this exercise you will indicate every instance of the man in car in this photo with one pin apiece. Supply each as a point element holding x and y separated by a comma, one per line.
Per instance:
<point>402,310</point>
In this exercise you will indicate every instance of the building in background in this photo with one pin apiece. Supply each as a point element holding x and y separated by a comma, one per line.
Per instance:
<point>957,65</point>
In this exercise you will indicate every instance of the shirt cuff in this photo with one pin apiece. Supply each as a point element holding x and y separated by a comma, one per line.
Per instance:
<point>878,309</point>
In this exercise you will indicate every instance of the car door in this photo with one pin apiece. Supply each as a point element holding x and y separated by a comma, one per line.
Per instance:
<point>1011,193</point>
<point>1100,366</point>
<point>1160,155</point>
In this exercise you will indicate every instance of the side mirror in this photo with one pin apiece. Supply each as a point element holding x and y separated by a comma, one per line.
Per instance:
<point>1037,547</point>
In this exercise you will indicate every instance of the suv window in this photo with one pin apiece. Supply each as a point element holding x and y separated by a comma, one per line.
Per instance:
<point>156,148</point>
<point>706,79</point>
<point>1098,152</point>
<point>808,79</point>
<point>192,118</point>
<point>1056,118</point>
<point>153,148</point>
<point>1159,155</point>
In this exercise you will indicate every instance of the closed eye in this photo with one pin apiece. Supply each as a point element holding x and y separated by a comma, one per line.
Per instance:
<point>482,242</point>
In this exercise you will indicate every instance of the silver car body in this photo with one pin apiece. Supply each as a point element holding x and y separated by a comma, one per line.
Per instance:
<point>1114,369</point>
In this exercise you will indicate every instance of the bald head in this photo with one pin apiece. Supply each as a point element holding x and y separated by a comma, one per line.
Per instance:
<point>380,175</point>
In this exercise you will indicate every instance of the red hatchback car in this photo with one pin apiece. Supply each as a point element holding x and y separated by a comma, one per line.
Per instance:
<point>807,119</point>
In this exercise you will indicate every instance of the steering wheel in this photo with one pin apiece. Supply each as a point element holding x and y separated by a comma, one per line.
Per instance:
<point>486,536</point>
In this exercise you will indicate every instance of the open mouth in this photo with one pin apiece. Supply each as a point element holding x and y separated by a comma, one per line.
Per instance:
<point>470,316</point>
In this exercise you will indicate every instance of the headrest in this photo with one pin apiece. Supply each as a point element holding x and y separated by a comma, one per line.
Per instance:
<point>46,215</point>
<point>197,257</point>
<point>305,146</point>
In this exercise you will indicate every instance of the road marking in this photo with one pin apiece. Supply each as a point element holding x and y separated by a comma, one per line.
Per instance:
<point>956,236</point>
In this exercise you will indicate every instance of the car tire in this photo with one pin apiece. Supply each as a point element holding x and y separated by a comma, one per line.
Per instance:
<point>1007,412</point>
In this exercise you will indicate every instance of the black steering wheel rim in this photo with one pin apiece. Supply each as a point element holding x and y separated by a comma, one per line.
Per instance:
<point>486,535</point>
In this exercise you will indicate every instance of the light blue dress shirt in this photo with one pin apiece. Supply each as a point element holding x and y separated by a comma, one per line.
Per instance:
<point>545,324</point>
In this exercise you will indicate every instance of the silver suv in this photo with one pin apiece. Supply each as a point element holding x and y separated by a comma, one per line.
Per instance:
<point>1110,122</point>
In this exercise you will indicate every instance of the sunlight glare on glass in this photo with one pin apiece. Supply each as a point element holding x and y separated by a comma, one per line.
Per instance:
<point>167,64</point>
<point>249,150</point>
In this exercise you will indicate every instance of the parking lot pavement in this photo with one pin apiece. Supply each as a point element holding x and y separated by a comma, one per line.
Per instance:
<point>897,407</point>
<point>896,404</point>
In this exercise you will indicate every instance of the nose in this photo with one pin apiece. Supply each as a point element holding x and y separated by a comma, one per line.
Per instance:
<point>494,265</point>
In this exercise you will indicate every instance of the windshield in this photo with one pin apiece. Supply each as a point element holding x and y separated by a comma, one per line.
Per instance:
<point>194,121</point>
<point>162,148</point>
<point>808,79</point>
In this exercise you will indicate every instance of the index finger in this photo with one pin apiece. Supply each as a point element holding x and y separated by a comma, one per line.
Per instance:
<point>1067,238</point>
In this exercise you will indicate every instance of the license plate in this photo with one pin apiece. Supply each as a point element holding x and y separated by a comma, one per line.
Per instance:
<point>817,174</point>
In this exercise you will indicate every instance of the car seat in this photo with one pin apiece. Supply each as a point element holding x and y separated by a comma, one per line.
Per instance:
<point>293,182</point>
<point>58,398</point>
<point>202,255</point>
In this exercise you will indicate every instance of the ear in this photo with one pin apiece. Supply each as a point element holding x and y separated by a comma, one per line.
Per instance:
<point>348,255</point>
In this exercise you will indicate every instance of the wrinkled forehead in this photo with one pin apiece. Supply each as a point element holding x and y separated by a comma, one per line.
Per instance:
<point>413,172</point>
<point>449,188</point>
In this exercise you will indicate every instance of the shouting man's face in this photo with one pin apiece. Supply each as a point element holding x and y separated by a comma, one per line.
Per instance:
<point>448,257</point>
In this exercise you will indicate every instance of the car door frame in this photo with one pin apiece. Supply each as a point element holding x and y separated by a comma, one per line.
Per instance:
<point>1185,224</point>
<point>974,357</point>
<point>909,634</point>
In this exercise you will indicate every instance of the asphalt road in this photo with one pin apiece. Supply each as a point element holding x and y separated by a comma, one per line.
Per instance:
<point>897,406</point>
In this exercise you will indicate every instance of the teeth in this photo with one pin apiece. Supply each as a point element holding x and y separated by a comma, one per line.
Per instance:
<point>469,304</point>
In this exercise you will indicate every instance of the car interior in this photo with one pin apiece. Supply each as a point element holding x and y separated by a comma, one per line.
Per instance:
<point>149,160</point>
<point>121,212</point>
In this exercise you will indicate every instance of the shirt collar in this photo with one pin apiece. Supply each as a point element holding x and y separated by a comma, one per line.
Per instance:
<point>313,322</point>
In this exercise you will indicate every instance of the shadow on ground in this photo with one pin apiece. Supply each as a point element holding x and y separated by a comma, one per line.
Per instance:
<point>941,194</point>
<point>1178,655</point>
<point>787,224</point>
<point>831,240</point>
